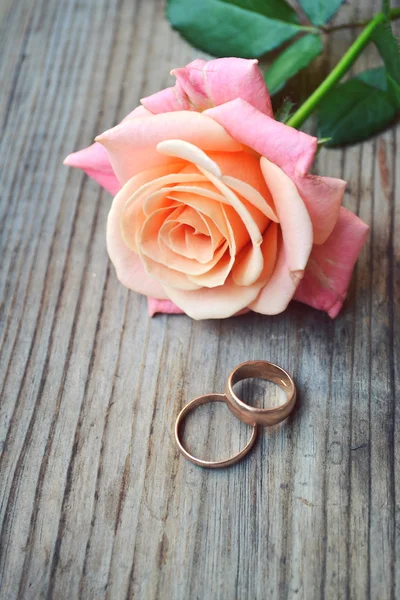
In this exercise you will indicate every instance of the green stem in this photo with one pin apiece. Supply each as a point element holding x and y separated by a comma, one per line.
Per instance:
<point>310,29</point>
<point>339,71</point>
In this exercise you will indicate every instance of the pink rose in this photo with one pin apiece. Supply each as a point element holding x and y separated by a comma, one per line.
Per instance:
<point>214,207</point>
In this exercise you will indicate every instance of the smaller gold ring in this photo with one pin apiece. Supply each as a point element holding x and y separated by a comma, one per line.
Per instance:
<point>260,369</point>
<point>204,463</point>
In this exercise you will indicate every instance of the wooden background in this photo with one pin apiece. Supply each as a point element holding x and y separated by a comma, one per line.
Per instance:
<point>96,502</point>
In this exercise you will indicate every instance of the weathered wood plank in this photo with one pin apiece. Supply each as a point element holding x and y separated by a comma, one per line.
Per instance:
<point>395,288</point>
<point>95,500</point>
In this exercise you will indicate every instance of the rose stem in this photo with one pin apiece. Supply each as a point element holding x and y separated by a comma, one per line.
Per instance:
<point>340,70</point>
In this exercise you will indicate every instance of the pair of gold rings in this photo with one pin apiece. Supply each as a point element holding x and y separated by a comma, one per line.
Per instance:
<point>255,417</point>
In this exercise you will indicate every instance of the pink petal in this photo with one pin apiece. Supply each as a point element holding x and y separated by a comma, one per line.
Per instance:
<point>201,85</point>
<point>139,111</point>
<point>94,162</point>
<point>293,151</point>
<point>331,264</point>
<point>132,145</point>
<point>162,306</point>
<point>167,100</point>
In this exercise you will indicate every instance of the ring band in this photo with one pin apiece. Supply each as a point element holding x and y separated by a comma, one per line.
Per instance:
<point>260,369</point>
<point>204,463</point>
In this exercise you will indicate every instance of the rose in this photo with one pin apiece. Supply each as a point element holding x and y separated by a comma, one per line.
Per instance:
<point>214,207</point>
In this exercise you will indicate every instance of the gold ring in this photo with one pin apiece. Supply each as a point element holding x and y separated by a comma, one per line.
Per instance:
<point>204,463</point>
<point>262,370</point>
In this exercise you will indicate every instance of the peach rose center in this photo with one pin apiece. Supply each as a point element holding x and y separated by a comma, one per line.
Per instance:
<point>203,219</point>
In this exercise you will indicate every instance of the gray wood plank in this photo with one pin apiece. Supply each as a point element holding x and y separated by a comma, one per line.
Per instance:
<point>96,502</point>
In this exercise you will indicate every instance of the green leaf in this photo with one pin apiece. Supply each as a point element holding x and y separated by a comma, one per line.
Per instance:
<point>223,29</point>
<point>292,60</point>
<point>388,48</point>
<point>320,11</point>
<point>356,109</point>
<point>394,88</point>
<point>274,9</point>
<point>374,77</point>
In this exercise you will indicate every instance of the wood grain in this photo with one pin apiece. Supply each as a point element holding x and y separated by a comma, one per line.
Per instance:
<point>96,502</point>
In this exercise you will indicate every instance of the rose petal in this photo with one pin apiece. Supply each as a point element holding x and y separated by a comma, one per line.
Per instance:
<point>213,303</point>
<point>199,247</point>
<point>278,292</point>
<point>177,192</point>
<point>152,257</point>
<point>167,276</point>
<point>202,84</point>
<point>128,265</point>
<point>195,221</point>
<point>218,274</point>
<point>145,192</point>
<point>175,235</point>
<point>151,247</point>
<point>131,146</point>
<point>207,207</point>
<point>294,219</point>
<point>251,195</point>
<point>248,267</point>
<point>190,235</point>
<point>201,225</point>
<point>189,152</point>
<point>331,264</point>
<point>166,306</point>
<point>293,151</point>
<point>226,300</point>
<point>189,266</point>
<point>168,100</point>
<point>139,111</point>
<point>95,163</point>
<point>133,215</point>
<point>244,165</point>
<point>242,173</point>
<point>162,306</point>
<point>242,211</point>
<point>151,244</point>
<point>207,190</point>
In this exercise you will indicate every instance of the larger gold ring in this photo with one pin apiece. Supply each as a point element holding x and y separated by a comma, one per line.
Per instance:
<point>204,463</point>
<point>260,369</point>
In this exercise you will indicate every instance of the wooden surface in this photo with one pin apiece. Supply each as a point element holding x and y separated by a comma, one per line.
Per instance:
<point>95,500</point>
